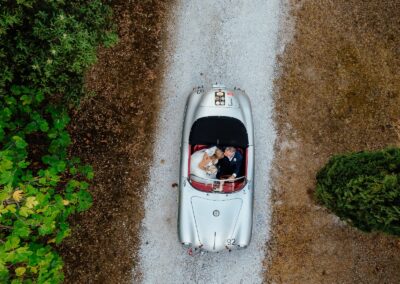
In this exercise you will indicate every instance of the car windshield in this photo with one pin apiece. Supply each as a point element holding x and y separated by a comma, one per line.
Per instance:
<point>217,185</point>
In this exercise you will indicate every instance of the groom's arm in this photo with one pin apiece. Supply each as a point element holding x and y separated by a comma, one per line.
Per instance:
<point>238,164</point>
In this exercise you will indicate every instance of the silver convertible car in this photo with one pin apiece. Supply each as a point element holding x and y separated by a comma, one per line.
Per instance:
<point>216,214</point>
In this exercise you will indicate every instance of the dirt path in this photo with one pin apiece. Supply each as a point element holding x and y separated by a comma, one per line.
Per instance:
<point>113,131</point>
<point>233,42</point>
<point>339,92</point>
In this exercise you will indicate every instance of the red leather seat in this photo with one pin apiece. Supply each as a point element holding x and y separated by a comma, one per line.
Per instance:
<point>202,186</point>
<point>199,147</point>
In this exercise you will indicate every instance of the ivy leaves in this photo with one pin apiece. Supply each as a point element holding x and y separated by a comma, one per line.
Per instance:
<point>31,261</point>
<point>35,202</point>
<point>45,48</point>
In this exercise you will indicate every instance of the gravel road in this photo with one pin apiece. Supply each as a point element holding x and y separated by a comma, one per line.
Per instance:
<point>233,42</point>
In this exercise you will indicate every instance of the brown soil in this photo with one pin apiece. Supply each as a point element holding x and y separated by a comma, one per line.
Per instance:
<point>339,92</point>
<point>113,131</point>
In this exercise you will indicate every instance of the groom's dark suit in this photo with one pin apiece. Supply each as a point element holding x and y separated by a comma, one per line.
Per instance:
<point>229,167</point>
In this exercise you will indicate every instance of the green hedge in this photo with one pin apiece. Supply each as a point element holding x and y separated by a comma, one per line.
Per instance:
<point>45,48</point>
<point>363,189</point>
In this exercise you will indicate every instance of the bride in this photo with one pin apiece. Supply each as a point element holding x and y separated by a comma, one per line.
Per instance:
<point>202,163</point>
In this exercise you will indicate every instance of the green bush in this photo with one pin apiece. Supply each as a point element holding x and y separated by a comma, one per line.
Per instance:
<point>363,189</point>
<point>36,198</point>
<point>45,48</point>
<point>47,45</point>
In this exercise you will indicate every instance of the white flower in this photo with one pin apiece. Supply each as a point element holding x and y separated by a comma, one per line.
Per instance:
<point>61,17</point>
<point>64,35</point>
<point>49,61</point>
<point>53,51</point>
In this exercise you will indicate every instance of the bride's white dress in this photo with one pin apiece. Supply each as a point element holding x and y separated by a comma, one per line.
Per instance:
<point>195,160</point>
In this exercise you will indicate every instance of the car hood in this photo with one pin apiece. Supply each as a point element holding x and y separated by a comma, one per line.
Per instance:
<point>215,221</point>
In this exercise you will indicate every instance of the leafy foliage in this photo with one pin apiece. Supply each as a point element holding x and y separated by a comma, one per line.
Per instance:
<point>363,189</point>
<point>47,45</point>
<point>45,48</point>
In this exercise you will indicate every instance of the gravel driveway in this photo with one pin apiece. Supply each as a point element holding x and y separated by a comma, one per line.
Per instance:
<point>234,42</point>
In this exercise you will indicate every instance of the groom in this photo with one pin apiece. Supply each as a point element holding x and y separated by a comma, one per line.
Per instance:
<point>231,164</point>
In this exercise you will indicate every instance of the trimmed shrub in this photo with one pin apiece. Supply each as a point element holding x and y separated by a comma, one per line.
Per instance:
<point>45,48</point>
<point>363,189</point>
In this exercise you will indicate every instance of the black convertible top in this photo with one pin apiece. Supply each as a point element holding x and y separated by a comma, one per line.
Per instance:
<point>219,130</point>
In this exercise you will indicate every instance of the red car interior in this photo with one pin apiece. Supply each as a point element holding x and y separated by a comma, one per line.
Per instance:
<point>228,187</point>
